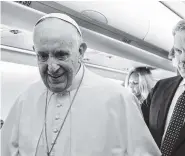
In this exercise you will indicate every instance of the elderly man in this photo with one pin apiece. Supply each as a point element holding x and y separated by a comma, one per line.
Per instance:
<point>164,109</point>
<point>74,112</point>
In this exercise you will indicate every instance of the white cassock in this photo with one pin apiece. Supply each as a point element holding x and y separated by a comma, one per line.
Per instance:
<point>103,121</point>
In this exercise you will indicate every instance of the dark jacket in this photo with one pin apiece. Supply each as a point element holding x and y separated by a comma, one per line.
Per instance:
<point>155,110</point>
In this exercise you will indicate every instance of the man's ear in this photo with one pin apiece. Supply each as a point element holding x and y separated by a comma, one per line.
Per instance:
<point>82,49</point>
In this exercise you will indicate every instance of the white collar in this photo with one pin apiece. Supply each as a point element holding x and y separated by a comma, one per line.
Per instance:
<point>77,79</point>
<point>182,82</point>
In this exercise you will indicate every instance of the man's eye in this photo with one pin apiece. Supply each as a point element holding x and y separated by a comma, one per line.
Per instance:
<point>178,51</point>
<point>135,83</point>
<point>61,56</point>
<point>43,57</point>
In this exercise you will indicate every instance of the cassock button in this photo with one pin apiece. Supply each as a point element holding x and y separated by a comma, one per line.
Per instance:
<point>55,130</point>
<point>52,154</point>
<point>57,117</point>
<point>52,143</point>
<point>59,105</point>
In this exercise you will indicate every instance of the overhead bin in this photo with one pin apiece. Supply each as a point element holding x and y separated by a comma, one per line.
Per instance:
<point>150,21</point>
<point>176,6</point>
<point>162,22</point>
<point>121,14</point>
<point>115,47</point>
<point>21,17</point>
<point>18,16</point>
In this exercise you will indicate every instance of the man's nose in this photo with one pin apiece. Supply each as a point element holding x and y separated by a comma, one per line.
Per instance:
<point>53,68</point>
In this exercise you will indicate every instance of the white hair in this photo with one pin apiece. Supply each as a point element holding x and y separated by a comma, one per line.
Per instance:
<point>180,26</point>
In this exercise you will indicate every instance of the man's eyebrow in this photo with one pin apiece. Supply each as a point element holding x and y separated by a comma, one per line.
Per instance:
<point>63,51</point>
<point>42,52</point>
<point>178,48</point>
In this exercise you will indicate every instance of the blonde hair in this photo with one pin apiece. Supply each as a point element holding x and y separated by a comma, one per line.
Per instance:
<point>146,81</point>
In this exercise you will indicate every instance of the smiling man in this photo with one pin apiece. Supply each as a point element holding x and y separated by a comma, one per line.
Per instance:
<point>59,49</point>
<point>164,109</point>
<point>74,112</point>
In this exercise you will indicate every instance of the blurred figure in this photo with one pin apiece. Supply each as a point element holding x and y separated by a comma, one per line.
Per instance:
<point>164,108</point>
<point>140,82</point>
<point>2,122</point>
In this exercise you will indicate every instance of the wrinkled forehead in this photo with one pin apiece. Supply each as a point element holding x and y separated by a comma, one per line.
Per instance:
<point>179,40</point>
<point>53,30</point>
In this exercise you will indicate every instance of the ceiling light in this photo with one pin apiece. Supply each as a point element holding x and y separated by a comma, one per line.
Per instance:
<point>95,15</point>
<point>14,31</point>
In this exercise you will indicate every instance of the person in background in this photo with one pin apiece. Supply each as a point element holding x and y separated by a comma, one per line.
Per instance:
<point>72,111</point>
<point>140,82</point>
<point>164,108</point>
<point>2,122</point>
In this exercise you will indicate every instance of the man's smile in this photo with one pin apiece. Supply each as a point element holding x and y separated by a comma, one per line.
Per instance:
<point>57,78</point>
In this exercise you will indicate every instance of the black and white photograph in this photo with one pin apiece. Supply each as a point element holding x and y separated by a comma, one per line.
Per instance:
<point>92,78</point>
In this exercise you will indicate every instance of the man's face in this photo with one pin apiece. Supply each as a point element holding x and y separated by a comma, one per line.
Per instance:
<point>57,47</point>
<point>179,52</point>
<point>134,84</point>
